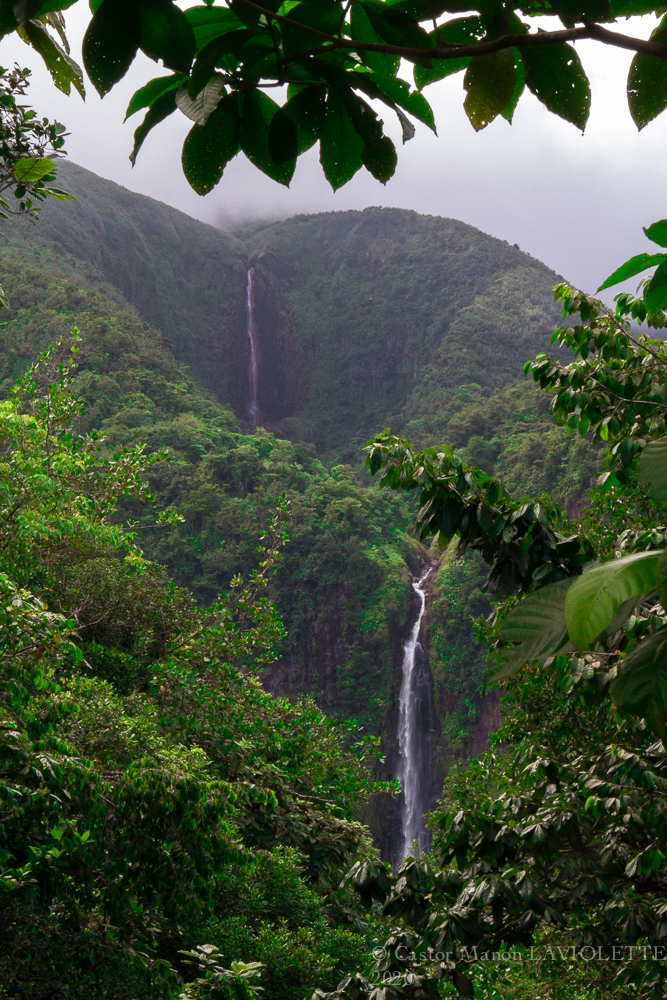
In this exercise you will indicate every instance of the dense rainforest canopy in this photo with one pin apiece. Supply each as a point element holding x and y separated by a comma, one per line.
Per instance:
<point>167,826</point>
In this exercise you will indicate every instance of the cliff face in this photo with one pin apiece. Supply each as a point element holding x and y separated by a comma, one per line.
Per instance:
<point>377,317</point>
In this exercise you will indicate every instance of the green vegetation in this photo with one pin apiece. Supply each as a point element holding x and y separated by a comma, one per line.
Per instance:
<point>146,778</point>
<point>556,842</point>
<point>343,592</point>
<point>168,827</point>
<point>334,58</point>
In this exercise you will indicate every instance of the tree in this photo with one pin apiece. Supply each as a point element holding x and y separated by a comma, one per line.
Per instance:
<point>154,799</point>
<point>334,58</point>
<point>562,835</point>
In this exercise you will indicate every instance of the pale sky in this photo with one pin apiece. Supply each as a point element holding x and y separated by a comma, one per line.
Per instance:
<point>575,202</point>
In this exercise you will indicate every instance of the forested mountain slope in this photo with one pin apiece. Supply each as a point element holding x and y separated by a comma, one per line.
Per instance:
<point>382,317</point>
<point>365,319</point>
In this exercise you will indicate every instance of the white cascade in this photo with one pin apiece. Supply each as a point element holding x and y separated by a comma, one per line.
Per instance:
<point>413,768</point>
<point>253,405</point>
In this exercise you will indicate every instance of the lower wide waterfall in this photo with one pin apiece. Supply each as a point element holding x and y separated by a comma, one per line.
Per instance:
<point>415,726</point>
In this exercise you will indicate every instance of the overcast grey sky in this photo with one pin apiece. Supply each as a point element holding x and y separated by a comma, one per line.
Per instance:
<point>576,202</point>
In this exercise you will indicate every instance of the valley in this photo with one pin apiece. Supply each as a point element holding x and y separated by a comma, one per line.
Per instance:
<point>362,320</point>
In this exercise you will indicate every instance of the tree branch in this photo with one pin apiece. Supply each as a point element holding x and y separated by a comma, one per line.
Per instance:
<point>589,30</point>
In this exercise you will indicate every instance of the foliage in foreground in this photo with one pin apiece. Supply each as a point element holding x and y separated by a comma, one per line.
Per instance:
<point>153,797</point>
<point>335,59</point>
<point>556,843</point>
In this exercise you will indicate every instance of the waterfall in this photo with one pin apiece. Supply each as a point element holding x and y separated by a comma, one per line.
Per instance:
<point>253,405</point>
<point>415,722</point>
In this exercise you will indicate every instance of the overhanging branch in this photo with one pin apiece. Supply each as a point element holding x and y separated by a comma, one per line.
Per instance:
<point>518,41</point>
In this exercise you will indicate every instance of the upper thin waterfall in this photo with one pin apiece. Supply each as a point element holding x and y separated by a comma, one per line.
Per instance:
<point>253,405</point>
<point>415,723</point>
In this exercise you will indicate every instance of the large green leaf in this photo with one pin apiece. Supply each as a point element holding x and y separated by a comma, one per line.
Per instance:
<point>110,43</point>
<point>159,110</point>
<point>306,110</point>
<point>662,578</point>
<point>199,108</point>
<point>594,598</point>
<point>572,11</point>
<point>399,92</point>
<point>209,23</point>
<point>324,15</point>
<point>146,95</point>
<point>641,686</point>
<point>459,31</point>
<point>228,45</point>
<point>655,294</point>
<point>341,146</point>
<point>30,169</point>
<point>379,157</point>
<point>519,86</point>
<point>640,262</point>
<point>65,72</point>
<point>555,75</point>
<point>208,148</point>
<point>258,111</point>
<point>165,33</point>
<point>382,63</point>
<point>536,626</point>
<point>489,82</point>
<point>652,469</point>
<point>395,27</point>
<point>657,232</point>
<point>283,138</point>
<point>647,82</point>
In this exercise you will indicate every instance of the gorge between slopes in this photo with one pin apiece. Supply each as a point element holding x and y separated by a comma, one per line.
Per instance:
<point>416,713</point>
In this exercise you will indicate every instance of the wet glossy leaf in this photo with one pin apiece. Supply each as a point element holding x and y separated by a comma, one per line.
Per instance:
<point>160,109</point>
<point>110,43</point>
<point>459,31</point>
<point>306,111</point>
<point>519,86</point>
<point>635,265</point>
<point>555,75</point>
<point>379,157</point>
<point>165,33</point>
<point>652,469</point>
<point>213,54</point>
<point>283,138</point>
<point>537,626</point>
<point>647,82</point>
<point>594,598</point>
<point>655,295</point>
<point>489,82</point>
<point>399,92</point>
<point>574,11</point>
<point>341,146</point>
<point>208,148</point>
<point>209,23</point>
<point>395,27</point>
<point>65,72</point>
<point>382,63</point>
<point>145,96</point>
<point>641,687</point>
<point>324,15</point>
<point>258,112</point>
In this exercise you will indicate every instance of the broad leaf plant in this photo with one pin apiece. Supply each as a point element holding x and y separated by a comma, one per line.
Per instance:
<point>325,62</point>
<point>560,839</point>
